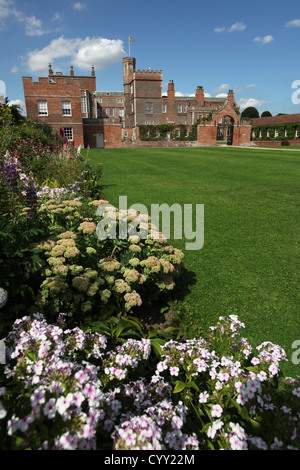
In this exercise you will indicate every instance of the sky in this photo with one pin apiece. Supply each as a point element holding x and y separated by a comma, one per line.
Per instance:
<point>249,47</point>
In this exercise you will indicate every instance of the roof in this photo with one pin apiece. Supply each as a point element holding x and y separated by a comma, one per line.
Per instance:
<point>271,120</point>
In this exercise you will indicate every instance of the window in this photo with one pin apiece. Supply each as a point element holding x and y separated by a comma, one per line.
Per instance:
<point>119,100</point>
<point>104,112</point>
<point>125,133</point>
<point>83,105</point>
<point>276,133</point>
<point>149,123</point>
<point>297,132</point>
<point>66,108</point>
<point>149,108</point>
<point>68,133</point>
<point>111,112</point>
<point>42,108</point>
<point>185,108</point>
<point>164,108</point>
<point>179,109</point>
<point>121,112</point>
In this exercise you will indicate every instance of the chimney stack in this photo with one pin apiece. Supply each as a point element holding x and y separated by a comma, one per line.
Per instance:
<point>200,96</point>
<point>171,90</point>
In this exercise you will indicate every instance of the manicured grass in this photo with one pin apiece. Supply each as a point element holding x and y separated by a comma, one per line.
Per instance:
<point>249,264</point>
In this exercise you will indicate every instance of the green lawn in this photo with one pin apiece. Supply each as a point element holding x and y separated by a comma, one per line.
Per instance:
<point>249,264</point>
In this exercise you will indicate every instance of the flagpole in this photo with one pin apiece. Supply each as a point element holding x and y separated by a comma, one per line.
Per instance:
<point>129,46</point>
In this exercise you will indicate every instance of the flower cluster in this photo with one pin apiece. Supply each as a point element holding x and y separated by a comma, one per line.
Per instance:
<point>159,428</point>
<point>223,383</point>
<point>68,383</point>
<point>60,391</point>
<point>127,356</point>
<point>82,273</point>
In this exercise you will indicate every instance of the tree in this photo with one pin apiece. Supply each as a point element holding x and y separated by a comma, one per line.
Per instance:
<point>266,114</point>
<point>250,113</point>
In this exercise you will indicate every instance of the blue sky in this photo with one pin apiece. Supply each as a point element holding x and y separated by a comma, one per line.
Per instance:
<point>250,47</point>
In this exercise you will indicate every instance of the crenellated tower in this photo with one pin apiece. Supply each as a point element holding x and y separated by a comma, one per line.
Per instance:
<point>143,94</point>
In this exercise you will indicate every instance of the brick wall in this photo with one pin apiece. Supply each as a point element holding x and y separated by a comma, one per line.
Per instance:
<point>54,90</point>
<point>207,134</point>
<point>160,144</point>
<point>112,133</point>
<point>275,143</point>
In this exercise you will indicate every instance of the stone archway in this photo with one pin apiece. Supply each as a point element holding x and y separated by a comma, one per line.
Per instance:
<point>237,132</point>
<point>225,129</point>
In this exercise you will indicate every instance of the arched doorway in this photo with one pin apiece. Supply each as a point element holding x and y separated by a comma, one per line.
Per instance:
<point>225,130</point>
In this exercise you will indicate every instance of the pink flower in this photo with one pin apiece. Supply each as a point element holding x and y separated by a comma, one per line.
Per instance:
<point>174,371</point>
<point>203,397</point>
<point>216,411</point>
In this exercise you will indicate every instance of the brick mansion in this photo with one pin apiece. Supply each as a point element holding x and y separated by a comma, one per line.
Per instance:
<point>115,119</point>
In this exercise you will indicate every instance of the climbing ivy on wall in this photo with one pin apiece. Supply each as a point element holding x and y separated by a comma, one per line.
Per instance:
<point>285,131</point>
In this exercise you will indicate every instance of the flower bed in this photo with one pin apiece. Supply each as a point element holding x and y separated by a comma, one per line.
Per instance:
<point>94,377</point>
<point>69,389</point>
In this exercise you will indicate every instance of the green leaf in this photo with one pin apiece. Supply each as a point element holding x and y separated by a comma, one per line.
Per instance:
<point>156,344</point>
<point>193,385</point>
<point>31,356</point>
<point>179,386</point>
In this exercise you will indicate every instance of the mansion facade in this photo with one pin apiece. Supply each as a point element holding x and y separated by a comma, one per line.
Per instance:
<point>112,119</point>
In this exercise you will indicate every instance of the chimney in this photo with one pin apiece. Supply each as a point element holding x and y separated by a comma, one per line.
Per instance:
<point>93,71</point>
<point>50,70</point>
<point>171,90</point>
<point>230,98</point>
<point>71,71</point>
<point>200,96</point>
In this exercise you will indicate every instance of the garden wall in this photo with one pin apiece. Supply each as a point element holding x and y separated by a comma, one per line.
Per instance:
<point>275,143</point>
<point>160,144</point>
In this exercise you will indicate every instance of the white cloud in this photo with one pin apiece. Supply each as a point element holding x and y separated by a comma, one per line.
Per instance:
<point>78,6</point>
<point>14,69</point>
<point>56,17</point>
<point>83,53</point>
<point>253,102</point>
<point>238,90</point>
<point>188,95</point>
<point>240,26</point>
<point>33,26</point>
<point>293,24</point>
<point>219,30</point>
<point>264,40</point>
<point>221,95</point>
<point>222,88</point>
<point>99,52</point>
<point>237,27</point>
<point>21,105</point>
<point>5,9</point>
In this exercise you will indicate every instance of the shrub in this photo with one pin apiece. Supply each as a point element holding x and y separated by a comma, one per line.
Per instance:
<point>86,275</point>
